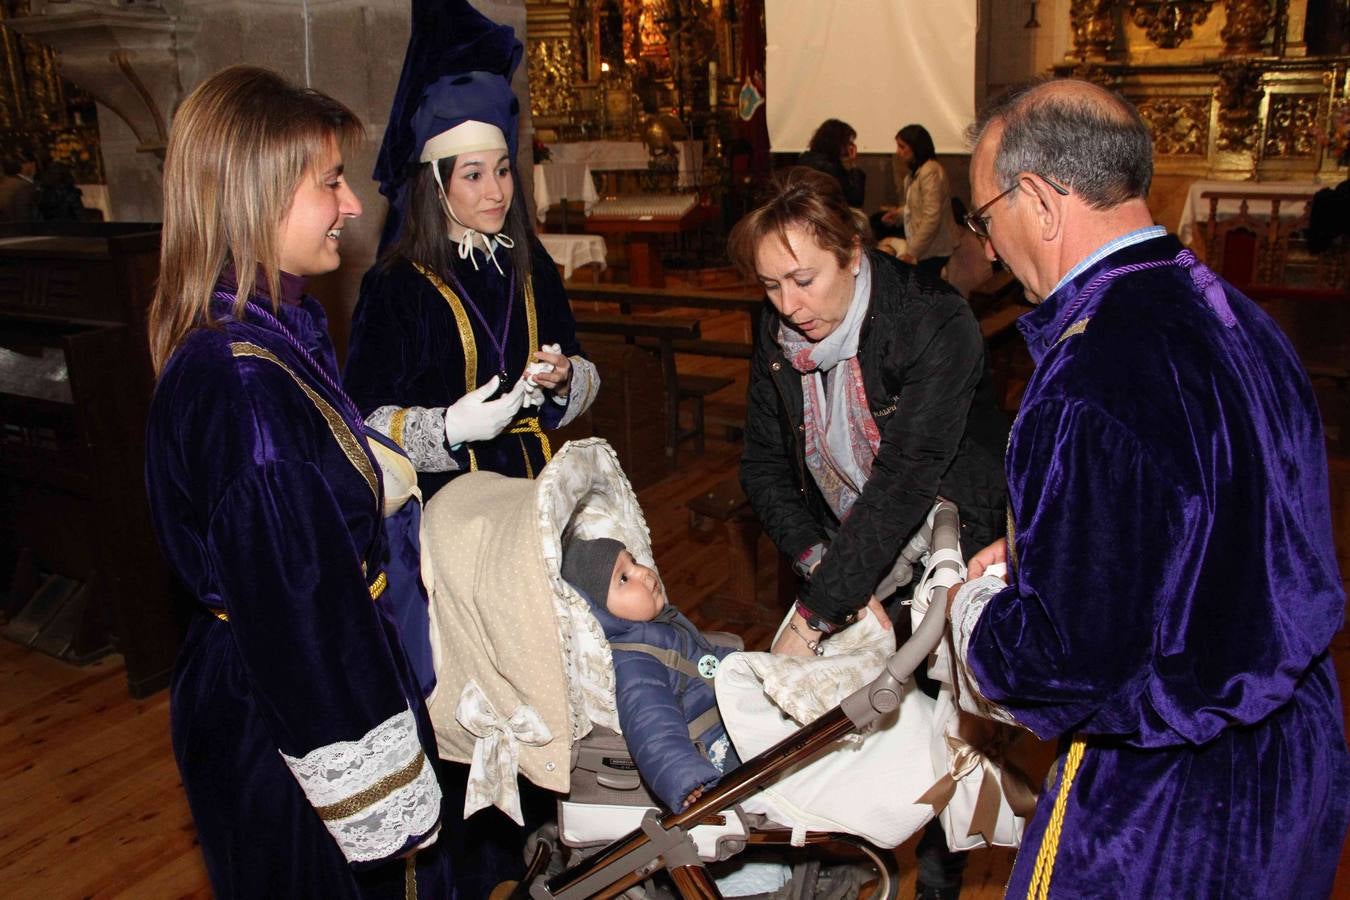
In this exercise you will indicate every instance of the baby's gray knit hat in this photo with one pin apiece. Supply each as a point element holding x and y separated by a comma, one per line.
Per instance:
<point>588,564</point>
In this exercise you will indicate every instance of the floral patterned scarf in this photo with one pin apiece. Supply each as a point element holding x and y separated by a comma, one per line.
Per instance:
<point>842,439</point>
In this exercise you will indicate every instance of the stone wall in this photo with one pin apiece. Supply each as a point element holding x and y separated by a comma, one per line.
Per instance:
<point>350,49</point>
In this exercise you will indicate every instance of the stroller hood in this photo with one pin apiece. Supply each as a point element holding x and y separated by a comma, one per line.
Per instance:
<point>502,616</point>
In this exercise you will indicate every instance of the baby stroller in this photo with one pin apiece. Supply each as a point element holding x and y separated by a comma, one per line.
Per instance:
<point>525,685</point>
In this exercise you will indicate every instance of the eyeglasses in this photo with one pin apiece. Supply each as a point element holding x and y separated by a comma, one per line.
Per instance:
<point>978,222</point>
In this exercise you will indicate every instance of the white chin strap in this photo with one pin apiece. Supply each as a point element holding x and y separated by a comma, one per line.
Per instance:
<point>490,241</point>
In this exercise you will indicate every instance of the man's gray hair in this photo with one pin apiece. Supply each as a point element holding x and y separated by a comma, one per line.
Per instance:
<point>1098,146</point>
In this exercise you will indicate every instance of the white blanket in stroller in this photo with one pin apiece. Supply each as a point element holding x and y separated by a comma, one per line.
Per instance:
<point>867,786</point>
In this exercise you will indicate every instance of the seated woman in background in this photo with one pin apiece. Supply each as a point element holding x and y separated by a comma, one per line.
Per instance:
<point>833,151</point>
<point>926,202</point>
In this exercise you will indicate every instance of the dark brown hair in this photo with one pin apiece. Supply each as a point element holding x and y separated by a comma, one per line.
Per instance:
<point>424,240</point>
<point>805,198</point>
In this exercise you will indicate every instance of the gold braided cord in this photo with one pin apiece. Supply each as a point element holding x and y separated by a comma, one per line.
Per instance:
<point>375,793</point>
<point>410,877</point>
<point>1039,889</point>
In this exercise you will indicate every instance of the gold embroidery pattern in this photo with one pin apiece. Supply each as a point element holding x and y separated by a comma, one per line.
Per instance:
<point>373,794</point>
<point>462,323</point>
<point>410,877</point>
<point>1076,328</point>
<point>1012,540</point>
<point>396,426</point>
<point>531,315</point>
<point>341,432</point>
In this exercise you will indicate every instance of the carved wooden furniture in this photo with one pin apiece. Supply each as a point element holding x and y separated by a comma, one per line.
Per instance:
<point>75,384</point>
<point>1263,245</point>
<point>1229,89</point>
<point>641,219</point>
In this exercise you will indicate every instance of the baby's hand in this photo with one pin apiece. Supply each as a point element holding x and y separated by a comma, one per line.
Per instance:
<point>693,796</point>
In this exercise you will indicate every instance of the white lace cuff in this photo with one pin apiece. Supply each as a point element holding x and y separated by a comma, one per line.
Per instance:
<point>420,431</point>
<point>585,385</point>
<point>967,607</point>
<point>374,794</point>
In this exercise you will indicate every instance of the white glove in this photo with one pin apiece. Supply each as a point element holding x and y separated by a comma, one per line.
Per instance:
<point>473,417</point>
<point>534,395</point>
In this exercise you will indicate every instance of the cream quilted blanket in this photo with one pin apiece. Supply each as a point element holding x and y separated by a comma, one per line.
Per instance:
<point>522,667</point>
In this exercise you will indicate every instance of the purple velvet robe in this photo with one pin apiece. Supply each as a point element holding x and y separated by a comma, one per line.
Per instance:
<point>297,723</point>
<point>1172,594</point>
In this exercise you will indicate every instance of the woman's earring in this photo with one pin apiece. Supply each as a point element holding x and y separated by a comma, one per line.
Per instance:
<point>856,270</point>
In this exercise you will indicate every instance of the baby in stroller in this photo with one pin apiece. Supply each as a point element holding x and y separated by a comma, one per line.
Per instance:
<point>663,669</point>
<point>526,683</point>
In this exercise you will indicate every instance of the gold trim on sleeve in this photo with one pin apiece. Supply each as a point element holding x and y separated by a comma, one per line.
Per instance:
<point>375,793</point>
<point>396,425</point>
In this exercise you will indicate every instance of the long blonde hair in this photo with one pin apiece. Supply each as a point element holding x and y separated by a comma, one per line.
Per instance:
<point>240,144</point>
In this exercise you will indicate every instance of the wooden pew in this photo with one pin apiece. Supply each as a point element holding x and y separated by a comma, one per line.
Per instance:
<point>665,333</point>
<point>723,301</point>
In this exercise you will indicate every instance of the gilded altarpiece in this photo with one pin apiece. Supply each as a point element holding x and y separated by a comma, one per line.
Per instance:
<point>41,113</point>
<point>602,68</point>
<point>1228,87</point>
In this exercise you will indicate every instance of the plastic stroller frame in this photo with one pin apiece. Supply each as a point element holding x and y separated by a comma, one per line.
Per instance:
<point>663,841</point>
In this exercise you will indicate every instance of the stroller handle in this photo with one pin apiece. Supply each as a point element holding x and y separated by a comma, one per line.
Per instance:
<point>637,853</point>
<point>882,695</point>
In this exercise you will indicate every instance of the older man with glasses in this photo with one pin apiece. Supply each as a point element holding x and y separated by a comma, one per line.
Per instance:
<point>1172,585</point>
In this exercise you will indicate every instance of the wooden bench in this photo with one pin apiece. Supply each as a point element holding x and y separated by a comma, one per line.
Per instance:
<point>627,297</point>
<point>726,503</point>
<point>663,333</point>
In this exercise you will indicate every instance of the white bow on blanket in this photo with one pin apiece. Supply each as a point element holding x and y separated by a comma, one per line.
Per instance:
<point>496,753</point>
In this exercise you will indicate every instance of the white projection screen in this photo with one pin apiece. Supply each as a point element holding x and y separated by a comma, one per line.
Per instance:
<point>876,64</point>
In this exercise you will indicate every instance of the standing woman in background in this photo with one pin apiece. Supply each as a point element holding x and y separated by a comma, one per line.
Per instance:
<point>930,226</point>
<point>299,730</point>
<point>463,346</point>
<point>834,150</point>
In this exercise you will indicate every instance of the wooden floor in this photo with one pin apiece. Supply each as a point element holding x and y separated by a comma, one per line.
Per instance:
<point>90,801</point>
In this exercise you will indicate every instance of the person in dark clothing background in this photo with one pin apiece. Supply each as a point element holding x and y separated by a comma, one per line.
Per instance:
<point>834,151</point>
<point>18,192</point>
<point>58,197</point>
<point>869,397</point>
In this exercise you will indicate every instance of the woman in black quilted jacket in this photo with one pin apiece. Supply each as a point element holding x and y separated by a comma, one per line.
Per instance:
<point>869,398</point>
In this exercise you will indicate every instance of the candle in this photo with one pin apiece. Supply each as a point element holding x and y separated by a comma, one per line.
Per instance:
<point>712,84</point>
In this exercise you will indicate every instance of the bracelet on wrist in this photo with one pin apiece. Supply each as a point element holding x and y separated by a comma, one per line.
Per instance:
<point>812,645</point>
<point>824,626</point>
